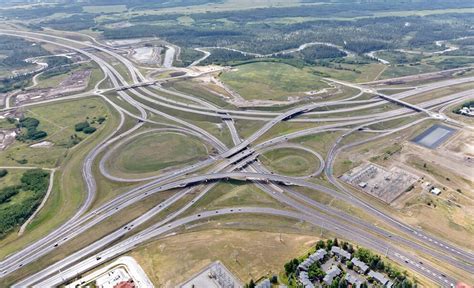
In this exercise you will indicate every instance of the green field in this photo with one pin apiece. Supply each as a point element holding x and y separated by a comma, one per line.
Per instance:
<point>156,151</point>
<point>232,194</point>
<point>290,161</point>
<point>395,57</point>
<point>12,178</point>
<point>58,121</point>
<point>352,72</point>
<point>271,81</point>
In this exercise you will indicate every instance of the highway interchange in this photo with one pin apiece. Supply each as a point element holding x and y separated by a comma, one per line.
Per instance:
<point>237,162</point>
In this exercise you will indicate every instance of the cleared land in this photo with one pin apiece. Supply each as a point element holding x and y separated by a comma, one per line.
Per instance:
<point>271,81</point>
<point>247,254</point>
<point>447,214</point>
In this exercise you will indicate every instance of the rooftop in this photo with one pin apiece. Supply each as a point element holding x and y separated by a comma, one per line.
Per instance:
<point>341,252</point>
<point>359,264</point>
<point>331,273</point>
<point>379,277</point>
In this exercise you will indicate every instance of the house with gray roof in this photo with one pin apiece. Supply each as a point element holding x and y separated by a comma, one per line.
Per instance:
<point>354,281</point>
<point>340,253</point>
<point>264,284</point>
<point>379,277</point>
<point>331,274</point>
<point>317,256</point>
<point>304,279</point>
<point>360,266</point>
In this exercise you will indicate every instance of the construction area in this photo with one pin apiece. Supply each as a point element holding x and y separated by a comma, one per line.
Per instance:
<point>76,82</point>
<point>386,185</point>
<point>147,55</point>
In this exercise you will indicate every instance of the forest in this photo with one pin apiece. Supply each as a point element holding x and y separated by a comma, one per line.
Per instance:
<point>359,36</point>
<point>14,209</point>
<point>16,51</point>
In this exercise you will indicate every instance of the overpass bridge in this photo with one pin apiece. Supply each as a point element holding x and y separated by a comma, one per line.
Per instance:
<point>403,103</point>
<point>133,86</point>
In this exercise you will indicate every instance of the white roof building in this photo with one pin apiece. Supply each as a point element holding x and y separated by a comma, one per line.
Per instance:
<point>469,111</point>
<point>435,191</point>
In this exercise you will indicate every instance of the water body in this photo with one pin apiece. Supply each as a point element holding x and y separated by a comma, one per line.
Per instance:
<point>434,136</point>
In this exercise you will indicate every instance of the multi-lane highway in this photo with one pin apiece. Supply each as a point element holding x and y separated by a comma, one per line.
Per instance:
<point>237,162</point>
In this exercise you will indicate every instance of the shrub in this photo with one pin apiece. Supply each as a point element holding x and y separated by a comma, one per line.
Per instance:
<point>274,279</point>
<point>22,161</point>
<point>320,244</point>
<point>31,124</point>
<point>7,192</point>
<point>81,126</point>
<point>101,119</point>
<point>291,266</point>
<point>89,130</point>
<point>3,173</point>
<point>350,265</point>
<point>37,135</point>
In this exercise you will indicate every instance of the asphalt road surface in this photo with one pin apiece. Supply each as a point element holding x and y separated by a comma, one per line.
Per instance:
<point>240,161</point>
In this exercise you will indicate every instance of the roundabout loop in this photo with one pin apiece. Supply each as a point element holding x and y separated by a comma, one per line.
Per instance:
<point>322,163</point>
<point>108,154</point>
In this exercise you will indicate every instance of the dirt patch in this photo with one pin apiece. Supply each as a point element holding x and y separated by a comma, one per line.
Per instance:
<point>247,254</point>
<point>76,82</point>
<point>43,144</point>
<point>7,137</point>
<point>462,143</point>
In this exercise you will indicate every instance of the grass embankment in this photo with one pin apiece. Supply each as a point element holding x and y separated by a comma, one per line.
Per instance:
<point>234,193</point>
